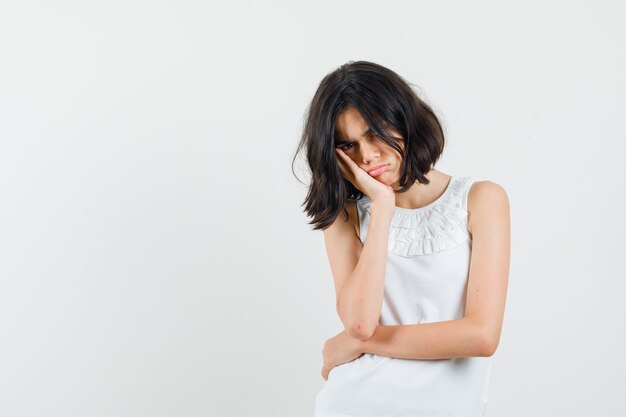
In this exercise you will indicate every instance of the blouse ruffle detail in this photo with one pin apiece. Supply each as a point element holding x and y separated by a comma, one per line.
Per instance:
<point>440,226</point>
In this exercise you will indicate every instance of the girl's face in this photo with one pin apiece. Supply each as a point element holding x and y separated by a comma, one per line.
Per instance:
<point>366,150</point>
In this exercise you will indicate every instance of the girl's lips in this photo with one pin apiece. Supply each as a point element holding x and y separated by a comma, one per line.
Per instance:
<point>378,171</point>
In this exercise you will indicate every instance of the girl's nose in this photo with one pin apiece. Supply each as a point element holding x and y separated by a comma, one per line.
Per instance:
<point>369,152</point>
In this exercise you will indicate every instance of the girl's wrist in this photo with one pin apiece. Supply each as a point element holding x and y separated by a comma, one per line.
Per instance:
<point>383,206</point>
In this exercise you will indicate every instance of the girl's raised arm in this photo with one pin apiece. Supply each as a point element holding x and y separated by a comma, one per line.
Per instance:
<point>359,269</point>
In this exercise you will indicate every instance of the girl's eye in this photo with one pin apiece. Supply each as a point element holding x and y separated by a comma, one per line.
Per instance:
<point>344,147</point>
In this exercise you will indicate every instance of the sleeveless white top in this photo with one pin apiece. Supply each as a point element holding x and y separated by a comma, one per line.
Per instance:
<point>425,281</point>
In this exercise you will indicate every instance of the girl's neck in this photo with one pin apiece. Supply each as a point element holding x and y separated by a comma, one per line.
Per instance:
<point>421,195</point>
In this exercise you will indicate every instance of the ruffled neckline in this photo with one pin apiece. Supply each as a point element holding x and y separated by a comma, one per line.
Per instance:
<point>436,227</point>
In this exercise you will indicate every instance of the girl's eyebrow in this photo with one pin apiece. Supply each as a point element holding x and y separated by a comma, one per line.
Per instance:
<point>342,141</point>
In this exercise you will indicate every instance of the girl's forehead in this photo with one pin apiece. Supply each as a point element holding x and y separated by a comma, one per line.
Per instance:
<point>351,126</point>
<point>350,119</point>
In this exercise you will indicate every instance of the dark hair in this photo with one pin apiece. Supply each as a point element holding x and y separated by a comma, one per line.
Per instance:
<point>385,100</point>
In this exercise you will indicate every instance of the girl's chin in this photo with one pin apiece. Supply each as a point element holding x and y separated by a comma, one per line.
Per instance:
<point>386,180</point>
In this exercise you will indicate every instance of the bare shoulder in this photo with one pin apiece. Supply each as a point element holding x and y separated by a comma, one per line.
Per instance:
<point>342,224</point>
<point>487,201</point>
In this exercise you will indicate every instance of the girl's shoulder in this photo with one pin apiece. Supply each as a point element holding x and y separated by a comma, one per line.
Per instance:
<point>486,200</point>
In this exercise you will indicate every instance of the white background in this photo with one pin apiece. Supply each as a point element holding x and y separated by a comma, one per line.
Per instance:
<point>154,256</point>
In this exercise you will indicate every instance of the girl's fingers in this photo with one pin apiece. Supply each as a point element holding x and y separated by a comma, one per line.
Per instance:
<point>350,164</point>
<point>346,164</point>
<point>342,156</point>
<point>342,164</point>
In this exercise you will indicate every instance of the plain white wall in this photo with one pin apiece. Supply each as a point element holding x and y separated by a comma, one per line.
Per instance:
<point>154,256</point>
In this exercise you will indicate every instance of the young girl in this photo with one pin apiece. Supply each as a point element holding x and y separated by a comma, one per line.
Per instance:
<point>419,258</point>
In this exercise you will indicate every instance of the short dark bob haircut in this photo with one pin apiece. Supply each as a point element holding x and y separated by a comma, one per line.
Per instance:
<point>385,100</point>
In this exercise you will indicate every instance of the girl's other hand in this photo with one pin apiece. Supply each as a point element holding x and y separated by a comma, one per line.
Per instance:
<point>339,350</point>
<point>370,186</point>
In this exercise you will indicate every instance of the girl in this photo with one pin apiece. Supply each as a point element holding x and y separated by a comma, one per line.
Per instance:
<point>420,259</point>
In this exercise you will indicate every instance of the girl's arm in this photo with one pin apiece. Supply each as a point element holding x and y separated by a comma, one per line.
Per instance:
<point>478,332</point>
<point>439,340</point>
<point>359,270</point>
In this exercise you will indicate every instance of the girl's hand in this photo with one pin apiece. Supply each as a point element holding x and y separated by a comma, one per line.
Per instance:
<point>363,181</point>
<point>339,350</point>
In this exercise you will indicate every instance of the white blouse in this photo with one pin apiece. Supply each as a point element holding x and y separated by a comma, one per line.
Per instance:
<point>425,281</point>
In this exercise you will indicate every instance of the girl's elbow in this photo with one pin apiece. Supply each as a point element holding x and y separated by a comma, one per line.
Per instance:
<point>488,344</point>
<point>361,331</point>
<point>484,338</point>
